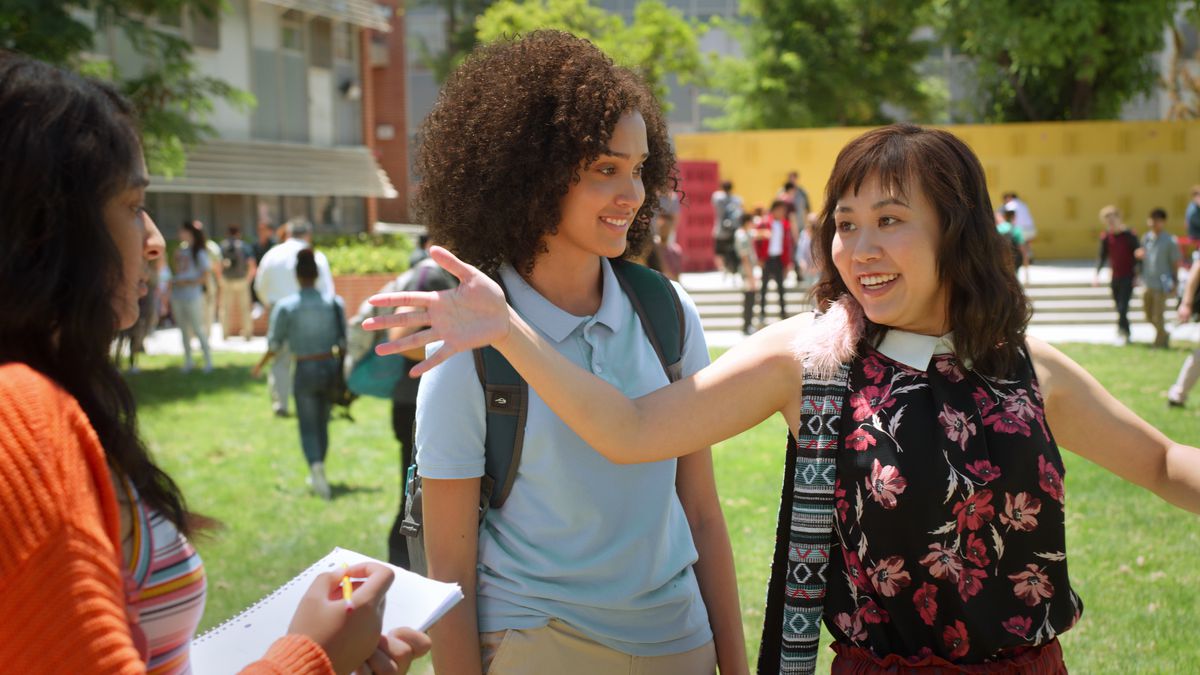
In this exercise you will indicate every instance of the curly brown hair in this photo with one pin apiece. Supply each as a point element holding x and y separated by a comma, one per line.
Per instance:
<point>988,307</point>
<point>508,135</point>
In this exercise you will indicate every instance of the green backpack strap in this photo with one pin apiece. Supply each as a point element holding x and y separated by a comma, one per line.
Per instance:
<point>657,304</point>
<point>506,395</point>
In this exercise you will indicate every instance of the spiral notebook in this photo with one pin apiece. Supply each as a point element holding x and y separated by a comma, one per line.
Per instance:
<point>412,602</point>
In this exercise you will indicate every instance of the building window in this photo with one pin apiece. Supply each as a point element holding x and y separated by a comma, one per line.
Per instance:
<point>343,42</point>
<point>206,31</point>
<point>320,53</point>
<point>291,26</point>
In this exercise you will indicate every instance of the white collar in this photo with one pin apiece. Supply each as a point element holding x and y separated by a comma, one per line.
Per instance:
<point>915,350</point>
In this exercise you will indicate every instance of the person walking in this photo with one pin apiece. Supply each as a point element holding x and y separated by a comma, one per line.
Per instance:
<point>1119,247</point>
<point>727,214</point>
<point>923,518</point>
<point>743,245</point>
<point>1159,256</point>
<point>276,280</point>
<point>309,327</point>
<point>237,269</point>
<point>1189,373</point>
<point>775,249</point>
<point>214,284</point>
<point>589,567</point>
<point>188,291</point>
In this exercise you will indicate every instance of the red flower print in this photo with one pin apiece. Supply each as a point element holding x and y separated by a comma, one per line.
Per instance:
<point>959,428</point>
<point>1006,422</point>
<point>984,470</point>
<point>1049,479</point>
<point>843,506</point>
<point>926,601</point>
<point>975,511</point>
<point>870,401</point>
<point>889,576</point>
<point>1020,405</point>
<point>1020,512</point>
<point>873,369</point>
<point>851,626</point>
<point>872,613</point>
<point>983,400</point>
<point>948,367</point>
<point>970,582</point>
<point>854,570</point>
<point>976,550</point>
<point>943,563</point>
<point>860,440</point>
<point>884,483</point>
<point>1032,585</point>
<point>1018,625</point>
<point>955,638</point>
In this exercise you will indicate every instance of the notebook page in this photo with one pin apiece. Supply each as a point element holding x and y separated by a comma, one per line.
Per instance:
<point>413,601</point>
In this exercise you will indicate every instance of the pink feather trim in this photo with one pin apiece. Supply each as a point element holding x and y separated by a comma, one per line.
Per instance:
<point>830,340</point>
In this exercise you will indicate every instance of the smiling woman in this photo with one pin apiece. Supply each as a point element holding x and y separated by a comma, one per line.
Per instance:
<point>924,509</point>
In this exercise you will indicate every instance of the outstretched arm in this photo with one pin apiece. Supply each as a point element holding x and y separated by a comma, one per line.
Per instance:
<point>1090,422</point>
<point>739,390</point>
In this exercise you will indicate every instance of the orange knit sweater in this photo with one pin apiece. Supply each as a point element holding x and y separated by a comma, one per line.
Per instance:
<point>62,607</point>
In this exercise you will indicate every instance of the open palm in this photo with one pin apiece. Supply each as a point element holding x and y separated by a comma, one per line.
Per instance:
<point>473,314</point>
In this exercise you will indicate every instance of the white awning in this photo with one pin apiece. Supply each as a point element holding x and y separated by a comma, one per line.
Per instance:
<point>363,13</point>
<point>256,168</point>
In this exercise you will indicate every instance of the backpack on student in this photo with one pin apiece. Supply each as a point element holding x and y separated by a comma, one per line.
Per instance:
<point>506,398</point>
<point>731,215</point>
<point>234,259</point>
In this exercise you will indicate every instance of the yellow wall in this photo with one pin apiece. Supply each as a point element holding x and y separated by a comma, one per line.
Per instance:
<point>1064,171</point>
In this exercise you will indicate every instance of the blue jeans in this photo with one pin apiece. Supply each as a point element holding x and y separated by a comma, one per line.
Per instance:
<point>311,390</point>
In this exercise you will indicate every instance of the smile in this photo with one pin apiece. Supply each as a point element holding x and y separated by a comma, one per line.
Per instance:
<point>877,281</point>
<point>618,223</point>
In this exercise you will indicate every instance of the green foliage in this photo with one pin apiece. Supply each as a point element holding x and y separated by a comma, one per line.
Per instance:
<point>460,35</point>
<point>657,43</point>
<point>1063,60</point>
<point>365,253</point>
<point>814,63</point>
<point>172,99</point>
<point>1132,556</point>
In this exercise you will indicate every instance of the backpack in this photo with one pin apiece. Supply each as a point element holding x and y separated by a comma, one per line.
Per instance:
<point>506,398</point>
<point>731,215</point>
<point>233,256</point>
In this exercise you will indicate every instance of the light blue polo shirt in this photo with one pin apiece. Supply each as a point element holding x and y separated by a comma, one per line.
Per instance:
<point>603,547</point>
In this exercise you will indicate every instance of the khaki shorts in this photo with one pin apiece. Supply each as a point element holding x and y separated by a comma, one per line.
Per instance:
<point>557,648</point>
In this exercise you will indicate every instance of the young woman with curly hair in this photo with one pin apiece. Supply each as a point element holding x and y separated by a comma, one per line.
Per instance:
<point>541,161</point>
<point>924,515</point>
<point>93,538</point>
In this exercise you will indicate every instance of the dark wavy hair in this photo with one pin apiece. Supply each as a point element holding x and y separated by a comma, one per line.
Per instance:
<point>508,135</point>
<point>199,241</point>
<point>68,145</point>
<point>988,307</point>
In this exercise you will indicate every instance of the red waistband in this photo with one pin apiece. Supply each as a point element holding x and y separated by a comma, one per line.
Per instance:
<point>1044,660</point>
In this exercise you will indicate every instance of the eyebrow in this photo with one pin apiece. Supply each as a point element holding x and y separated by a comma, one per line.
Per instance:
<point>890,201</point>
<point>622,155</point>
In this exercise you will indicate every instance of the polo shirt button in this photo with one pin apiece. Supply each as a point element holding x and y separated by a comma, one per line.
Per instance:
<point>597,369</point>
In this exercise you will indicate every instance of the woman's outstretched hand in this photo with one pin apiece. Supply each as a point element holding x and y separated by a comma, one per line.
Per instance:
<point>472,315</point>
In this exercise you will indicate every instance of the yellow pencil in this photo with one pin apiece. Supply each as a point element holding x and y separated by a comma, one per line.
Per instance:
<point>347,588</point>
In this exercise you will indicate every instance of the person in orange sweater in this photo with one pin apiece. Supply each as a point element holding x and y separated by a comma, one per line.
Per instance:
<point>89,526</point>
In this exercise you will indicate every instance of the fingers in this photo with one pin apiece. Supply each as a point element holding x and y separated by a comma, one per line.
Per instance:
<point>377,579</point>
<point>418,339</point>
<point>382,663</point>
<point>430,362</point>
<point>414,639</point>
<point>403,318</point>
<point>451,264</point>
<point>403,299</point>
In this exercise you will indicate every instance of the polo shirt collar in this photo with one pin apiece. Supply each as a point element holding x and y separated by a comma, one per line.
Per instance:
<point>915,350</point>
<point>555,322</point>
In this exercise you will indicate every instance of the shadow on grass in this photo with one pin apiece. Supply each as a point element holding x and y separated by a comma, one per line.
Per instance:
<point>159,386</point>
<point>346,489</point>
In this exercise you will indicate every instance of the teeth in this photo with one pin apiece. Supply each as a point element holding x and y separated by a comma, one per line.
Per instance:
<point>876,279</point>
<point>615,222</point>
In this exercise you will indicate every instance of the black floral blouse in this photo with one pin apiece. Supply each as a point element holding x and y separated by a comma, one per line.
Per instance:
<point>948,538</point>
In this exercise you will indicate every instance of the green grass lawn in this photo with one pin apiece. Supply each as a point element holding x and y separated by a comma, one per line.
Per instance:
<point>1134,559</point>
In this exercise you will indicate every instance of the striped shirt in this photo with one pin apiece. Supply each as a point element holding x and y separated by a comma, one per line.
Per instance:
<point>165,588</point>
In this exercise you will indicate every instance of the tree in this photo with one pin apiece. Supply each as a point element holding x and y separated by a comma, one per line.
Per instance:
<point>461,16</point>
<point>657,43</point>
<point>813,63</point>
<point>172,98</point>
<point>1062,60</point>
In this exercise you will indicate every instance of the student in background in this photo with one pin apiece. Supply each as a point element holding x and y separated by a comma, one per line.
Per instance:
<point>1119,247</point>
<point>1159,255</point>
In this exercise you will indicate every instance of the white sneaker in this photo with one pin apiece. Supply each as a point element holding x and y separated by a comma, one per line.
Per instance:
<point>316,481</point>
